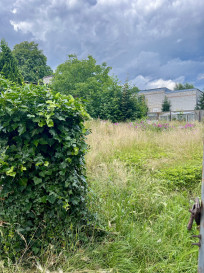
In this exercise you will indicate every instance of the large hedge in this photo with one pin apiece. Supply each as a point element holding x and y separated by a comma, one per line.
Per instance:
<point>42,172</point>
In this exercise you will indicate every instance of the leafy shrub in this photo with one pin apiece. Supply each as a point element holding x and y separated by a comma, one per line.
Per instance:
<point>182,176</point>
<point>42,174</point>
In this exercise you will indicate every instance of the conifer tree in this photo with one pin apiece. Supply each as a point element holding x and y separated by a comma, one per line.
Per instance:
<point>166,105</point>
<point>200,104</point>
<point>8,64</point>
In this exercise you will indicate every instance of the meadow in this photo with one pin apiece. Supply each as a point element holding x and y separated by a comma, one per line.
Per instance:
<point>143,178</point>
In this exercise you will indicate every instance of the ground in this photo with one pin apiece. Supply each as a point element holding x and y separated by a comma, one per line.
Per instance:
<point>143,179</point>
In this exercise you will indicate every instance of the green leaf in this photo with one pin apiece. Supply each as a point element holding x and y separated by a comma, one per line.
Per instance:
<point>35,250</point>
<point>41,123</point>
<point>10,172</point>
<point>21,129</point>
<point>30,116</point>
<point>76,151</point>
<point>35,142</point>
<point>46,163</point>
<point>43,199</point>
<point>23,168</point>
<point>37,180</point>
<point>50,123</point>
<point>23,181</point>
<point>51,198</point>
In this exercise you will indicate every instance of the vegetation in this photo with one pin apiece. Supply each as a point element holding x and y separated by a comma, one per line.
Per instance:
<point>101,93</point>
<point>142,183</point>
<point>131,105</point>
<point>166,105</point>
<point>142,176</point>
<point>180,86</point>
<point>32,62</point>
<point>200,104</point>
<point>104,97</point>
<point>8,64</point>
<point>42,172</point>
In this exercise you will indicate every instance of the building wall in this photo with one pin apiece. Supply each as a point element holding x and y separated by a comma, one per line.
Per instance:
<point>47,79</point>
<point>181,101</point>
<point>184,100</point>
<point>154,100</point>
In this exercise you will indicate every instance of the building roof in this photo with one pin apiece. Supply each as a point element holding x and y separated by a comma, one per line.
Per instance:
<point>167,91</point>
<point>156,89</point>
<point>184,90</point>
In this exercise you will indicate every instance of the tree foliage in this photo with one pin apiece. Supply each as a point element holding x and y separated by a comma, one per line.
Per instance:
<point>200,104</point>
<point>166,105</point>
<point>42,171</point>
<point>70,74</point>
<point>180,86</point>
<point>132,106</point>
<point>8,64</point>
<point>31,61</point>
<point>104,97</point>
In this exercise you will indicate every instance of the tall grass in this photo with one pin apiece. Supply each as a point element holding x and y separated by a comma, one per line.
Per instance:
<point>142,182</point>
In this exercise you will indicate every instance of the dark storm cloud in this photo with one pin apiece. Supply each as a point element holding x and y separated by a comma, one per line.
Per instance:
<point>152,43</point>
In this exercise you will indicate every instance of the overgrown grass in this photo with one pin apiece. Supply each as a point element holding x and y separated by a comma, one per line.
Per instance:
<point>142,182</point>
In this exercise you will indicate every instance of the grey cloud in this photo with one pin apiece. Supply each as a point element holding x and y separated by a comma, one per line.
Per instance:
<point>160,40</point>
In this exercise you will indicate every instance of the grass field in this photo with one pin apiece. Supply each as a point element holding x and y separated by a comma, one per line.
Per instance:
<point>142,179</point>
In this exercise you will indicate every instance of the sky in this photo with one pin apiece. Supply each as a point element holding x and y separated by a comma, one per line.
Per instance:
<point>151,43</point>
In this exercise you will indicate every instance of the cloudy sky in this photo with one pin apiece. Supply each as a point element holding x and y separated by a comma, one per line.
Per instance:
<point>152,43</point>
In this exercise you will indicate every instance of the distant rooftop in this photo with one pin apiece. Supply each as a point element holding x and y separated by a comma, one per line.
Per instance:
<point>166,90</point>
<point>157,89</point>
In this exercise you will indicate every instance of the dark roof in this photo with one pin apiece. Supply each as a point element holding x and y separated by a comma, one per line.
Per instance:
<point>185,90</point>
<point>156,89</point>
<point>166,90</point>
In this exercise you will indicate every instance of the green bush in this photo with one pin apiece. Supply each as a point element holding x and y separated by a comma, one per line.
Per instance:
<point>42,174</point>
<point>182,176</point>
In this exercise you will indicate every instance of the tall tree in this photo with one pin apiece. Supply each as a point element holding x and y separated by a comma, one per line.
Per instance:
<point>200,104</point>
<point>31,61</point>
<point>180,86</point>
<point>166,105</point>
<point>8,64</point>
<point>132,105</point>
<point>104,97</point>
<point>73,72</point>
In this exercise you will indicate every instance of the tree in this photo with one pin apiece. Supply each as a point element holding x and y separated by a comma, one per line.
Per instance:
<point>200,104</point>
<point>31,61</point>
<point>89,81</point>
<point>132,106</point>
<point>104,97</point>
<point>73,72</point>
<point>166,105</point>
<point>8,64</point>
<point>180,86</point>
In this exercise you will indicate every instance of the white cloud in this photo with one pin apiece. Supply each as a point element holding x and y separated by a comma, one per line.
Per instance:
<point>144,83</point>
<point>23,26</point>
<point>161,83</point>
<point>14,11</point>
<point>200,76</point>
<point>141,82</point>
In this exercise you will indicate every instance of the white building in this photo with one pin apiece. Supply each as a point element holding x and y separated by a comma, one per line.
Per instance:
<point>47,79</point>
<point>181,100</point>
